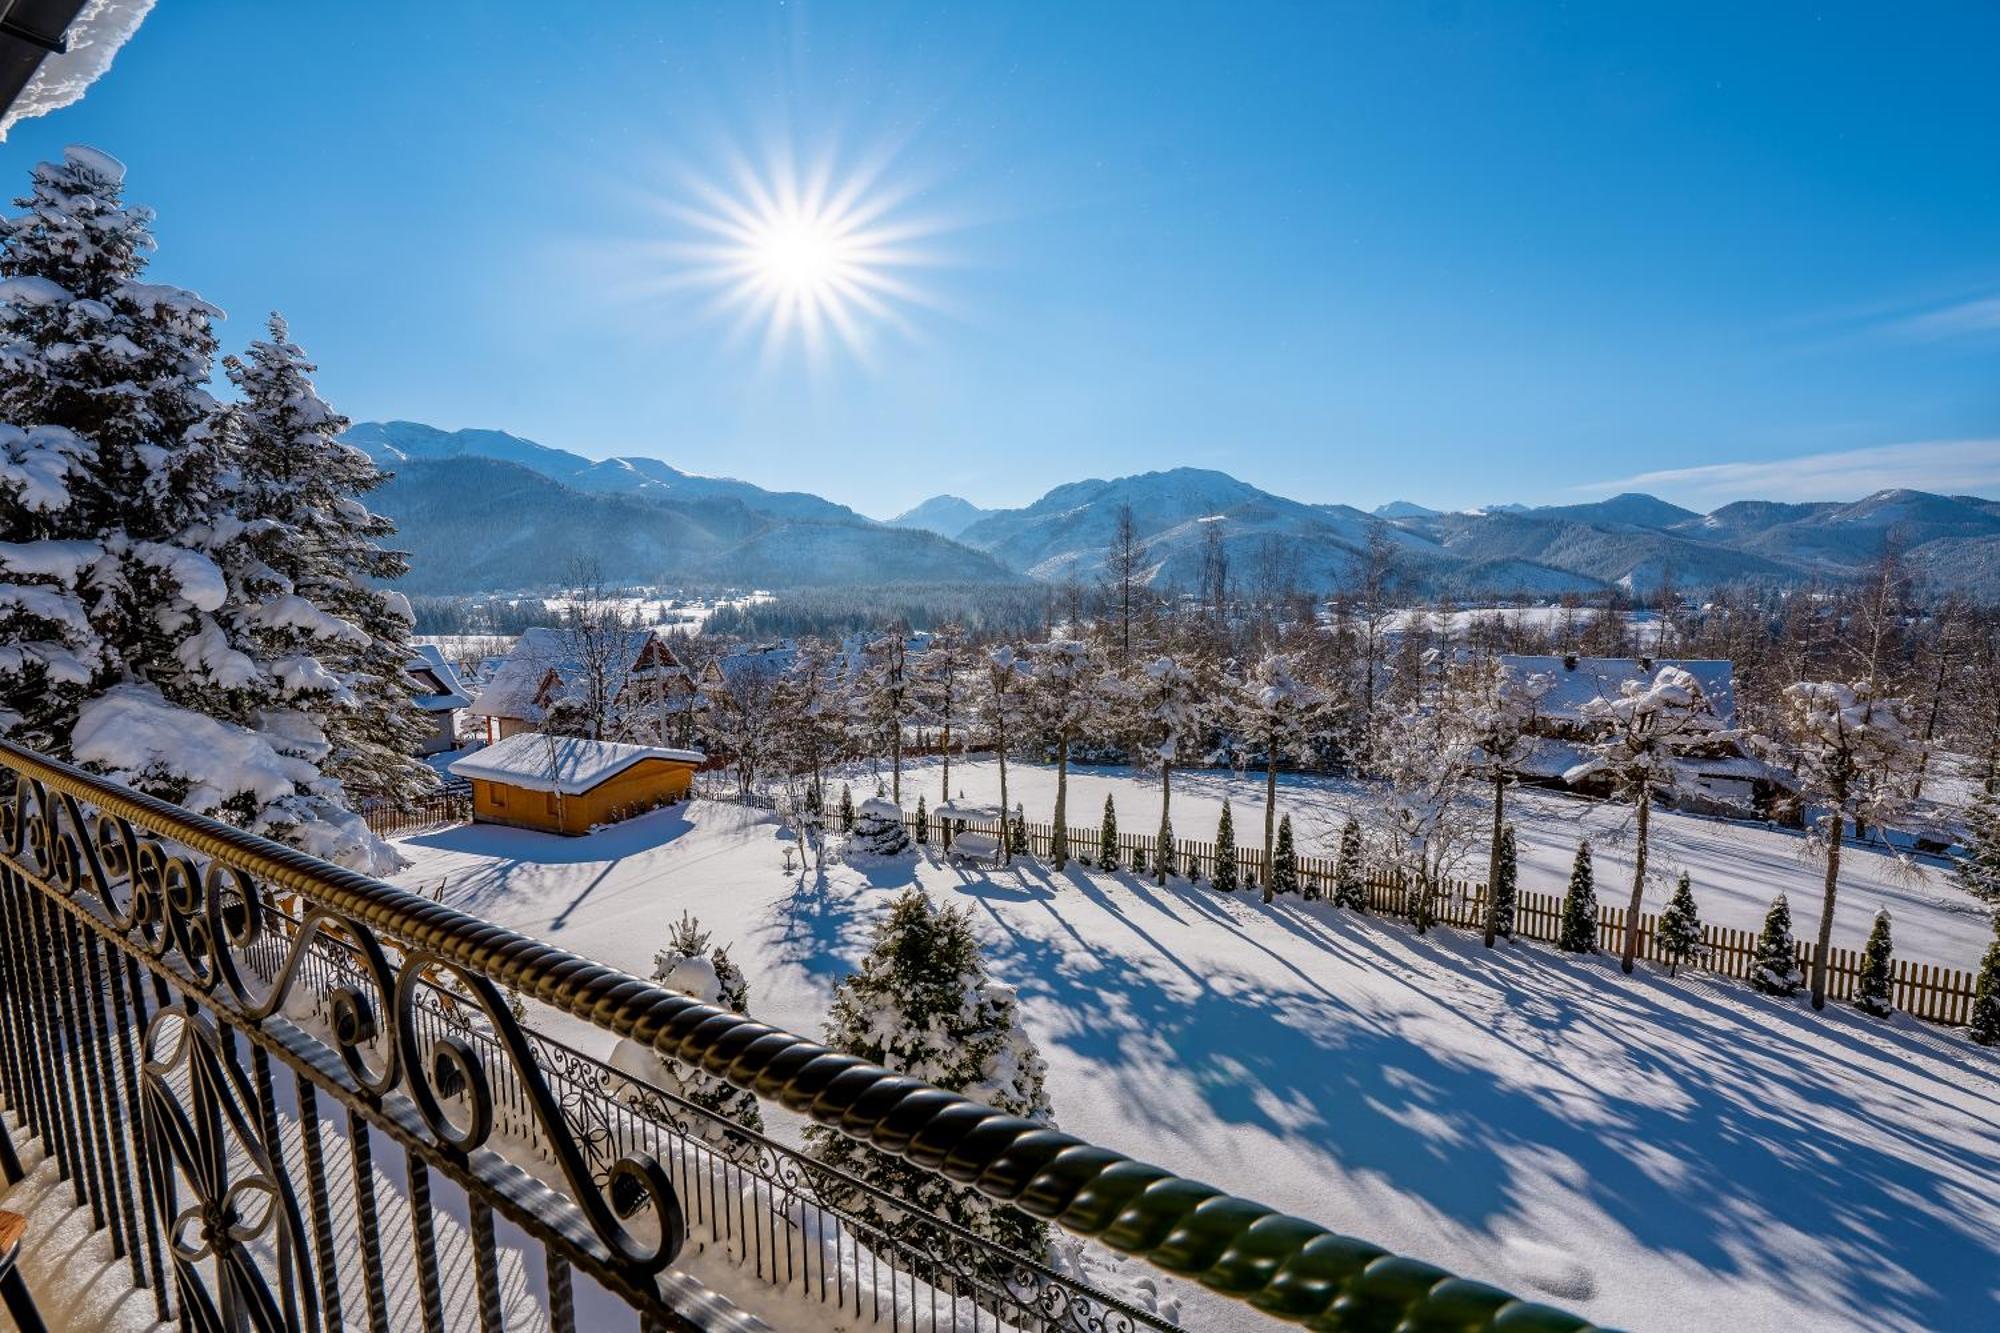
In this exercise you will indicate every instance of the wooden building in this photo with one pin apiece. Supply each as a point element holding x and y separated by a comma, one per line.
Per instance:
<point>628,674</point>
<point>438,694</point>
<point>565,784</point>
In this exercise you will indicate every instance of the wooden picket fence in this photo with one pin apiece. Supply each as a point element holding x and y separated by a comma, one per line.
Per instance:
<point>1922,990</point>
<point>450,805</point>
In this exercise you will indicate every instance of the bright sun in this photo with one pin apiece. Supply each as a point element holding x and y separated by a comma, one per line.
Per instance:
<point>801,257</point>
<point>811,258</point>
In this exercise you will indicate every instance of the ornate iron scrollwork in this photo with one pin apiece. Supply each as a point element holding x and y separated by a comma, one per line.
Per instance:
<point>198,1114</point>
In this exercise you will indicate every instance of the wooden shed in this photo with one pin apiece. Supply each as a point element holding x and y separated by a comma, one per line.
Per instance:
<point>565,784</point>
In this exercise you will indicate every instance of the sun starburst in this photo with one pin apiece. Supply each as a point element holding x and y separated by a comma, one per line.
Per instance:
<point>812,259</point>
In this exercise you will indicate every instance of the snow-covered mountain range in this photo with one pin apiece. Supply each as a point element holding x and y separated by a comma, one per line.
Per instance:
<point>482,509</point>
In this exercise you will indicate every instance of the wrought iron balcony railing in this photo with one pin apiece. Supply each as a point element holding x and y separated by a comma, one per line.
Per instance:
<point>145,950</point>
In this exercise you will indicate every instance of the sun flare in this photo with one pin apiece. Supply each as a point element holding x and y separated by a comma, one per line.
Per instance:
<point>805,258</point>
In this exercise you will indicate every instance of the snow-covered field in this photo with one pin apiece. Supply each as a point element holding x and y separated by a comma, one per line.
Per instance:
<point>1656,1153</point>
<point>1736,867</point>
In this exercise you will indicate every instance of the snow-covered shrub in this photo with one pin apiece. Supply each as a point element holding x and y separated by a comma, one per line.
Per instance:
<point>923,833</point>
<point>1107,837</point>
<point>1985,1023</point>
<point>1680,925</point>
<point>1350,881</point>
<point>1285,861</point>
<point>1774,966</point>
<point>879,829</point>
<point>692,964</point>
<point>1225,877</point>
<point>1876,992</point>
<point>1577,932</point>
<point>1506,884</point>
<point>922,1004</point>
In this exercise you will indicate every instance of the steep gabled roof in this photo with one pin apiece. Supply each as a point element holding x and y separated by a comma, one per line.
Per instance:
<point>430,665</point>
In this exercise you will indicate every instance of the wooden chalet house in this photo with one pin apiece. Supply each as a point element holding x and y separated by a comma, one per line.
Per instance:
<point>1717,776</point>
<point>630,673</point>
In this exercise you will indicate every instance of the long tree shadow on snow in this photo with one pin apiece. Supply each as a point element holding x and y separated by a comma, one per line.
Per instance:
<point>1686,1143</point>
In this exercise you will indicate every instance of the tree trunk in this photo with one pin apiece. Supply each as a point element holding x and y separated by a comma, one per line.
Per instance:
<point>1162,843</point>
<point>896,763</point>
<point>1059,850</point>
<point>945,797</point>
<point>1638,880</point>
<point>1826,912</point>
<point>1493,859</point>
<point>1006,811</point>
<point>1270,802</point>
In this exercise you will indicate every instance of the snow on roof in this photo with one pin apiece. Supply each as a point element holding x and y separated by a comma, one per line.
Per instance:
<point>1573,686</point>
<point>569,765</point>
<point>428,657</point>
<point>966,810</point>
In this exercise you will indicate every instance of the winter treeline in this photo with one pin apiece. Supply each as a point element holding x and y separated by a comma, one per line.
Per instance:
<point>191,597</point>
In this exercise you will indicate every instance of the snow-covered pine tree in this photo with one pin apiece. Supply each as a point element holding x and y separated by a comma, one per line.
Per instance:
<point>846,808</point>
<point>1506,884</point>
<point>1978,871</point>
<point>1680,925</point>
<point>879,829</point>
<point>694,965</point>
<point>922,1004</point>
<point>1875,993</point>
<point>1774,966</point>
<point>1985,1022</point>
<point>1350,879</point>
<point>304,572</point>
<point>1017,832</point>
<point>1107,837</point>
<point>1577,932</point>
<point>1285,861</point>
<point>923,822</point>
<point>122,644</point>
<point>1225,878</point>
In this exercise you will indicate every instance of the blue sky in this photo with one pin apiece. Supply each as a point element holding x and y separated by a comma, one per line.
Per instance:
<point>1454,252</point>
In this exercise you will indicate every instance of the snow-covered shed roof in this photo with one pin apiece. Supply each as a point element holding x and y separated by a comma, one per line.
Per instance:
<point>516,684</point>
<point>569,765</point>
<point>966,810</point>
<point>429,664</point>
<point>1575,681</point>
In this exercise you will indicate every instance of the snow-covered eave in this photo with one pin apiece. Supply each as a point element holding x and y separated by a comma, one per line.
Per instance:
<point>33,81</point>
<point>441,703</point>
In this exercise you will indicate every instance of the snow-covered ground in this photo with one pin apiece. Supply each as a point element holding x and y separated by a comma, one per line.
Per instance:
<point>1737,868</point>
<point>1656,1153</point>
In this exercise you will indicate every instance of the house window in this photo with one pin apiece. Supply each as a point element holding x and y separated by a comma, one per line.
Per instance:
<point>548,803</point>
<point>499,796</point>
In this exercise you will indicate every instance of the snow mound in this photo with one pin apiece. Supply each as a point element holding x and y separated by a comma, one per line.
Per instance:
<point>1548,1269</point>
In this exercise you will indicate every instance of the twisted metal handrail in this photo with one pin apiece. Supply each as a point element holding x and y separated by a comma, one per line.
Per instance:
<point>1287,1267</point>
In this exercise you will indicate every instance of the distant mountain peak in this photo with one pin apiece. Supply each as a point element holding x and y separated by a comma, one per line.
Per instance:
<point>946,515</point>
<point>1403,509</point>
